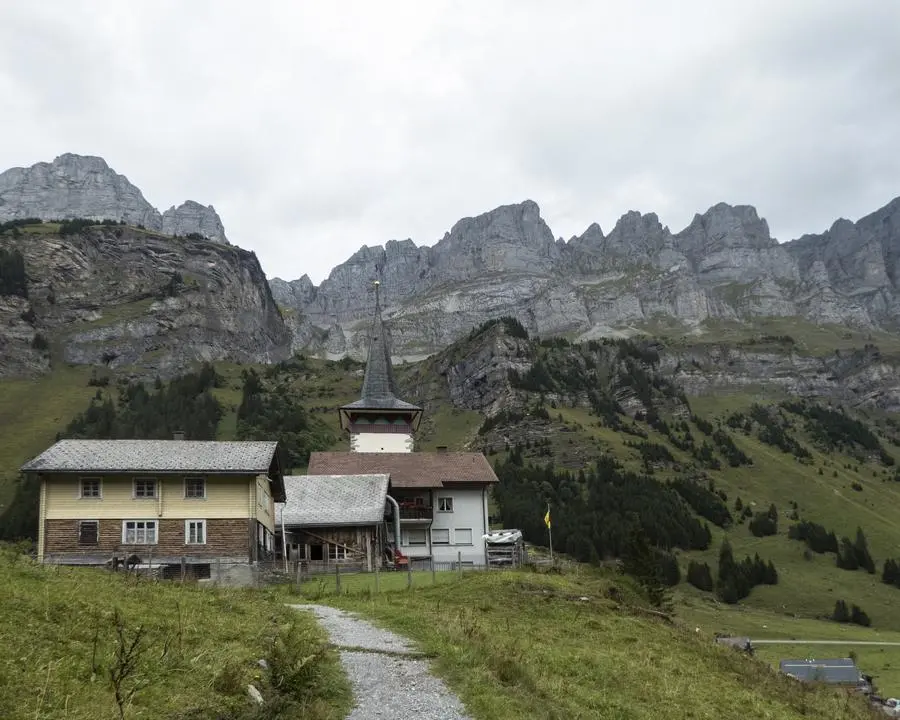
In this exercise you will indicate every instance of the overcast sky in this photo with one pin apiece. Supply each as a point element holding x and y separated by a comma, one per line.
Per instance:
<point>317,127</point>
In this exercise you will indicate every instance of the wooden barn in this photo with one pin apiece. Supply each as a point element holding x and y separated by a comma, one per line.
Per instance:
<point>333,520</point>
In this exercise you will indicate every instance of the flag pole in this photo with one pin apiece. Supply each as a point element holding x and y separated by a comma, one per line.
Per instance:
<point>550,532</point>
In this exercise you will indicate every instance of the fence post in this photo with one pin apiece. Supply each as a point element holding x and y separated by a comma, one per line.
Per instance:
<point>337,579</point>
<point>376,579</point>
<point>218,571</point>
<point>433,578</point>
<point>149,564</point>
<point>297,576</point>
<point>459,563</point>
<point>183,567</point>
<point>409,573</point>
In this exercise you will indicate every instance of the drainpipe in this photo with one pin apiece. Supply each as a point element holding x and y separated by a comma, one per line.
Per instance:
<point>396,520</point>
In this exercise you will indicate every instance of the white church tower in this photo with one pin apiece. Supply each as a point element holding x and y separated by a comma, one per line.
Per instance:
<point>379,421</point>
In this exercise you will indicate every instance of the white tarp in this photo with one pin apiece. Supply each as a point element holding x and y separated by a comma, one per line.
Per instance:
<point>503,537</point>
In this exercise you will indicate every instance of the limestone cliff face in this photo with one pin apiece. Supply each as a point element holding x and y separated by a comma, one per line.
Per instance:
<point>79,186</point>
<point>133,299</point>
<point>723,266</point>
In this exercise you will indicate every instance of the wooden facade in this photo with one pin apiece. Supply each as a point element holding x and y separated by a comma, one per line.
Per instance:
<point>319,549</point>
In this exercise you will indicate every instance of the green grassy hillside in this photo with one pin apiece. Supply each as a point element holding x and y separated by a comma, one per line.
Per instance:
<point>66,633</point>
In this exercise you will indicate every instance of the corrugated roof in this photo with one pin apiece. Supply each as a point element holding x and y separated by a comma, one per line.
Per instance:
<point>408,470</point>
<point>157,456</point>
<point>329,500</point>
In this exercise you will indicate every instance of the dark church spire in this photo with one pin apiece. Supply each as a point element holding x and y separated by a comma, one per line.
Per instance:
<point>379,389</point>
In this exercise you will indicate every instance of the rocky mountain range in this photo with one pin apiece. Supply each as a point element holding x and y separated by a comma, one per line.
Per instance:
<point>724,266</point>
<point>78,186</point>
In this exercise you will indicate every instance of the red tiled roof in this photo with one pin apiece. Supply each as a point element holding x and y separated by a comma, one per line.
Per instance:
<point>407,470</point>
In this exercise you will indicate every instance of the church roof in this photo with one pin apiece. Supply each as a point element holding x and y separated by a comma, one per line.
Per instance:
<point>379,389</point>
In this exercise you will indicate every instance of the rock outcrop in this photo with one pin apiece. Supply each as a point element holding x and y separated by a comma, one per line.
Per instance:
<point>134,300</point>
<point>641,277</point>
<point>80,186</point>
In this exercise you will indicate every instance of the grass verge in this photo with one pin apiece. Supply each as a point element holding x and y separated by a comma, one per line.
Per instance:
<point>545,646</point>
<point>67,633</point>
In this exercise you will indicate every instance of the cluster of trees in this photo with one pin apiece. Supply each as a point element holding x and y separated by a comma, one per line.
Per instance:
<point>705,501</point>
<point>185,403</point>
<point>13,278</point>
<point>817,537</point>
<point>772,432</point>
<point>14,225</point>
<point>890,575</point>
<point>511,326</point>
<point>272,410</point>
<point>731,452</point>
<point>512,417</point>
<point>652,454</point>
<point>737,579</point>
<point>77,226</point>
<point>854,614</point>
<point>765,523</point>
<point>591,508</point>
<point>700,576</point>
<point>853,555</point>
<point>833,429</point>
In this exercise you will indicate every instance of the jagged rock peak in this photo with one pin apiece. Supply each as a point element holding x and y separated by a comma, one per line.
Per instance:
<point>84,186</point>
<point>520,221</point>
<point>192,217</point>
<point>726,225</point>
<point>73,186</point>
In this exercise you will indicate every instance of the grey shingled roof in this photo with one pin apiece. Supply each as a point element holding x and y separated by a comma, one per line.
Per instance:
<point>379,389</point>
<point>157,456</point>
<point>330,500</point>
<point>841,671</point>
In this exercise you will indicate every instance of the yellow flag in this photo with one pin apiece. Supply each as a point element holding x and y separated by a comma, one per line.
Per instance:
<point>547,518</point>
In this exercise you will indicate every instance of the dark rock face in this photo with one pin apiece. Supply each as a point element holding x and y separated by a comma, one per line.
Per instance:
<point>125,298</point>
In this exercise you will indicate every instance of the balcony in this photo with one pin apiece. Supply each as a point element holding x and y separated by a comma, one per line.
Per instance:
<point>416,513</point>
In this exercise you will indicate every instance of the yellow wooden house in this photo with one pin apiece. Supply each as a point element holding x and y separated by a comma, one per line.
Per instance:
<point>162,502</point>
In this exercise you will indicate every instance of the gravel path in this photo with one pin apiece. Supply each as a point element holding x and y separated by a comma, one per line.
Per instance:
<point>390,677</point>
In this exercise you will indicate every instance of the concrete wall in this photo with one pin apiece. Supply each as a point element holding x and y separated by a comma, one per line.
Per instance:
<point>381,442</point>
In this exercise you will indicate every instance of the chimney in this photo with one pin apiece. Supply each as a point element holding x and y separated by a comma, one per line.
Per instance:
<point>178,435</point>
<point>442,448</point>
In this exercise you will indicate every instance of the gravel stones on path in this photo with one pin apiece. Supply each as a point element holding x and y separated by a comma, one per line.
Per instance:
<point>389,675</point>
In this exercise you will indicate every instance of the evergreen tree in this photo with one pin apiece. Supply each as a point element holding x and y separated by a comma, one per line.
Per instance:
<point>700,576</point>
<point>641,562</point>
<point>841,614</point>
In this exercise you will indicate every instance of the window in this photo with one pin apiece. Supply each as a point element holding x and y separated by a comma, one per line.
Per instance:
<point>88,532</point>
<point>145,488</point>
<point>337,552</point>
<point>139,532</point>
<point>195,532</point>
<point>463,536</point>
<point>445,504</point>
<point>413,537</point>
<point>90,487</point>
<point>440,536</point>
<point>195,487</point>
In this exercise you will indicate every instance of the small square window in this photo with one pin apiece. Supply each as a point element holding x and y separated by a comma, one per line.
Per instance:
<point>337,552</point>
<point>440,536</point>
<point>88,532</point>
<point>139,532</point>
<point>145,488</point>
<point>462,536</point>
<point>195,487</point>
<point>445,504</point>
<point>90,488</point>
<point>195,532</point>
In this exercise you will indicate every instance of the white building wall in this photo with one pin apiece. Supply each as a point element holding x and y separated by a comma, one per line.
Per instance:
<point>381,442</point>
<point>451,533</point>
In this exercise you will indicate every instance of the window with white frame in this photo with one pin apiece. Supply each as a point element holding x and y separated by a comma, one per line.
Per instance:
<point>88,532</point>
<point>139,532</point>
<point>337,552</point>
<point>445,504</point>
<point>145,488</point>
<point>440,536</point>
<point>195,488</point>
<point>90,488</point>
<point>413,537</point>
<point>462,536</point>
<point>195,532</point>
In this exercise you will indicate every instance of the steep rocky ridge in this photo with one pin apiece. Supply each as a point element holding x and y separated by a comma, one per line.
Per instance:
<point>79,186</point>
<point>123,297</point>
<point>723,266</point>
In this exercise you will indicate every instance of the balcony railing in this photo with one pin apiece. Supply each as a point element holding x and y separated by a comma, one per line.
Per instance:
<point>416,512</point>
